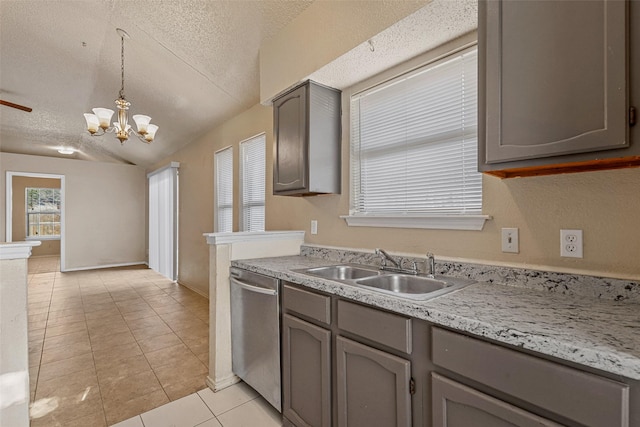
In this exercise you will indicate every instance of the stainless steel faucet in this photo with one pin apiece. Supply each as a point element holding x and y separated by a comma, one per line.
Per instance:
<point>397,263</point>
<point>431,265</point>
<point>386,257</point>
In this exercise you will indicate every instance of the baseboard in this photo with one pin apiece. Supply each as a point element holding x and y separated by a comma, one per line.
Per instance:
<point>98,267</point>
<point>221,385</point>
<point>197,291</point>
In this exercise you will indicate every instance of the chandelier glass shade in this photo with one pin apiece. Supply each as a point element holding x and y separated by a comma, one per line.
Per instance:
<point>99,122</point>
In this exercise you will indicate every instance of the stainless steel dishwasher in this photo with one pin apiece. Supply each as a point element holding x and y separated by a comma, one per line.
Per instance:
<point>255,332</point>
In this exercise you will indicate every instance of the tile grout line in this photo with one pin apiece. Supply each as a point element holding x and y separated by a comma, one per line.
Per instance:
<point>143,353</point>
<point>104,412</point>
<point>210,410</point>
<point>138,344</point>
<point>92,353</point>
<point>44,337</point>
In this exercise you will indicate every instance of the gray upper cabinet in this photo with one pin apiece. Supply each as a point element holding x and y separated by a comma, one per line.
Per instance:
<point>307,130</point>
<point>553,80</point>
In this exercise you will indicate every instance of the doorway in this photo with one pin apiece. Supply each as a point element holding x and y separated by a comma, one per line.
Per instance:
<point>23,223</point>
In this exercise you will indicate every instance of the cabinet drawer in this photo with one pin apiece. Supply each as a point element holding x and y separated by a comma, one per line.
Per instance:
<point>310,304</point>
<point>455,404</point>
<point>582,397</point>
<point>385,328</point>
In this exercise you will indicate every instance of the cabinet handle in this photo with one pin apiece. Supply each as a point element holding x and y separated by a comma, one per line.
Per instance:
<point>252,288</point>
<point>632,116</point>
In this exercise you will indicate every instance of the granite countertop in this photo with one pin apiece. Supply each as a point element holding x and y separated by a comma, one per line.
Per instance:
<point>600,334</point>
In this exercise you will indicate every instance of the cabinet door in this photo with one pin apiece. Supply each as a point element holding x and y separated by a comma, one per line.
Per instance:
<point>553,75</point>
<point>456,405</point>
<point>290,156</point>
<point>372,387</point>
<point>306,373</point>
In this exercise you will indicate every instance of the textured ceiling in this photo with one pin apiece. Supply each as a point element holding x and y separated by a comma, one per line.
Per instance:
<point>190,65</point>
<point>432,25</point>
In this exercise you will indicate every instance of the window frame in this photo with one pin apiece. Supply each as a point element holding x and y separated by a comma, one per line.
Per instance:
<point>401,219</point>
<point>40,213</point>
<point>243,181</point>
<point>217,183</point>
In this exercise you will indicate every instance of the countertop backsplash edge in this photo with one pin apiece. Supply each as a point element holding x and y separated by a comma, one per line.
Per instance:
<point>561,283</point>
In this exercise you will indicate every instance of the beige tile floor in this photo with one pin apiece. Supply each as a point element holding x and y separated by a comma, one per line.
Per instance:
<point>235,406</point>
<point>106,345</point>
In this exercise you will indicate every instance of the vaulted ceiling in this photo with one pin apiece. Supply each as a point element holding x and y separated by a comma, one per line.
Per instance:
<point>189,64</point>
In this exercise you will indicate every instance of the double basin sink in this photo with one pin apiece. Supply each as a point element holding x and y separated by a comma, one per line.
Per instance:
<point>402,285</point>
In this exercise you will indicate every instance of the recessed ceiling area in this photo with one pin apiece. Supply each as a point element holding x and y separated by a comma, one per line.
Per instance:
<point>189,65</point>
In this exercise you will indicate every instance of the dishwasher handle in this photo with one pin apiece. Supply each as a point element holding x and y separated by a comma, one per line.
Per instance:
<point>252,288</point>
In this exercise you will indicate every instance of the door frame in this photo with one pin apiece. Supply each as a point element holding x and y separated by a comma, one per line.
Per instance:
<point>9,208</point>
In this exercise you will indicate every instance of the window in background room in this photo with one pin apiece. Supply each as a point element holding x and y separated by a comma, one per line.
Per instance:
<point>252,170</point>
<point>223,160</point>
<point>43,213</point>
<point>414,146</point>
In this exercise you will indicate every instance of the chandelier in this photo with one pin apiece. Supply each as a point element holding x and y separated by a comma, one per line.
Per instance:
<point>98,122</point>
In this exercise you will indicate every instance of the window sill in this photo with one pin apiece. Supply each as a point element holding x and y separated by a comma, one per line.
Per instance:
<point>42,238</point>
<point>436,222</point>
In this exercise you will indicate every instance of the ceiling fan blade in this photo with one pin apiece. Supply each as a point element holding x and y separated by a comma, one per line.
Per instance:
<point>12,105</point>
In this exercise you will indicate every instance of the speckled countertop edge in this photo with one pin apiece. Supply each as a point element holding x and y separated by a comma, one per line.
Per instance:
<point>597,333</point>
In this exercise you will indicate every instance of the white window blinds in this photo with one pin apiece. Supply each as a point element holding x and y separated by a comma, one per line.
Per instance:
<point>163,223</point>
<point>414,142</point>
<point>252,152</point>
<point>224,190</point>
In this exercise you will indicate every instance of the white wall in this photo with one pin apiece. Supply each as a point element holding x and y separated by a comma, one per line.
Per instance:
<point>104,207</point>
<point>14,348</point>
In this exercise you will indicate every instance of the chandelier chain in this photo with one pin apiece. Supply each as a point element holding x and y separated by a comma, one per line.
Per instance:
<point>122,68</point>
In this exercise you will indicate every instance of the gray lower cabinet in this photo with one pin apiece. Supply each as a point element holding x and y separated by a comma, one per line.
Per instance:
<point>306,357</point>
<point>372,386</point>
<point>346,364</point>
<point>306,374</point>
<point>456,405</point>
<point>564,394</point>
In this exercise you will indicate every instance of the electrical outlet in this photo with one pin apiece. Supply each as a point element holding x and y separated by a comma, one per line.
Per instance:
<point>314,226</point>
<point>571,243</point>
<point>510,241</point>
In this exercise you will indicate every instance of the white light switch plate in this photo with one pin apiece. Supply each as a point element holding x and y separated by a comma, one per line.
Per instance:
<point>510,241</point>
<point>314,226</point>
